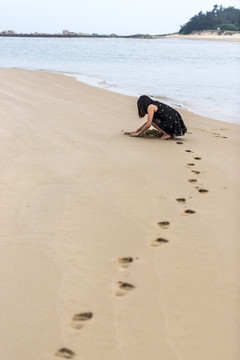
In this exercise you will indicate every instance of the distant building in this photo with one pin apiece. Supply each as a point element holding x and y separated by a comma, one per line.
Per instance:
<point>8,32</point>
<point>67,32</point>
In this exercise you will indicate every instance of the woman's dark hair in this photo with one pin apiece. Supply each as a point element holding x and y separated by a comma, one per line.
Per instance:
<point>143,103</point>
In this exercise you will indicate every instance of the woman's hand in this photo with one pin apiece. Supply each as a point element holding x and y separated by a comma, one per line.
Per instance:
<point>134,133</point>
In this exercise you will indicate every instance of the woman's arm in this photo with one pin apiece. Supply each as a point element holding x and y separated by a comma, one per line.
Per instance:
<point>141,127</point>
<point>158,128</point>
<point>134,132</point>
<point>151,110</point>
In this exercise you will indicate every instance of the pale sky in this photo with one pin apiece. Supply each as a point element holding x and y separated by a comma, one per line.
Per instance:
<point>122,17</point>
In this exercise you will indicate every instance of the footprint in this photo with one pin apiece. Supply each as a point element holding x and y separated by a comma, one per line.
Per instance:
<point>192,180</point>
<point>191,164</point>
<point>79,319</point>
<point>189,212</point>
<point>164,224</point>
<point>222,137</point>
<point>196,172</point>
<point>181,200</point>
<point>188,150</point>
<point>65,353</point>
<point>125,285</point>
<point>203,190</point>
<point>179,142</point>
<point>124,288</point>
<point>159,242</point>
<point>197,158</point>
<point>125,261</point>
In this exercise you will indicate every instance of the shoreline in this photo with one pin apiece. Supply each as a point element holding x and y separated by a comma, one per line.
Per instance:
<point>113,88</point>
<point>101,84</point>
<point>198,35</point>
<point>87,79</point>
<point>106,236</point>
<point>203,99</point>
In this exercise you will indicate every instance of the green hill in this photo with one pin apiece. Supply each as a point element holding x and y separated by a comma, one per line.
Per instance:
<point>219,18</point>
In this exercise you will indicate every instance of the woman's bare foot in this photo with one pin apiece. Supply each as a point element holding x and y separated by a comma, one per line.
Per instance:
<point>165,137</point>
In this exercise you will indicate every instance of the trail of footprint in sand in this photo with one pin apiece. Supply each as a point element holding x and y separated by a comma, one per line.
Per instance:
<point>189,211</point>
<point>161,241</point>
<point>219,135</point>
<point>202,191</point>
<point>124,287</point>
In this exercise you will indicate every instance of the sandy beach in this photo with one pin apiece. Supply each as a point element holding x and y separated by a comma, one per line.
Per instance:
<point>113,247</point>
<point>207,35</point>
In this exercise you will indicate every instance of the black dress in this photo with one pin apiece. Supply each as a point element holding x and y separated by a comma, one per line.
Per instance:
<point>169,120</point>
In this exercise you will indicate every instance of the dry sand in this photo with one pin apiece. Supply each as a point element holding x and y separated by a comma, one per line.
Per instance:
<point>77,196</point>
<point>208,35</point>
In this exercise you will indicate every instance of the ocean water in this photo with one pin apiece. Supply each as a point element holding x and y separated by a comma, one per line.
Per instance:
<point>202,76</point>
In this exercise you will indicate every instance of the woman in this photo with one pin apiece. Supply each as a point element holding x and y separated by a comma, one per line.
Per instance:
<point>164,118</point>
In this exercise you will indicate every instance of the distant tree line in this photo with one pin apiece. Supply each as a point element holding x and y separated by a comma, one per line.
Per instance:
<point>219,18</point>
